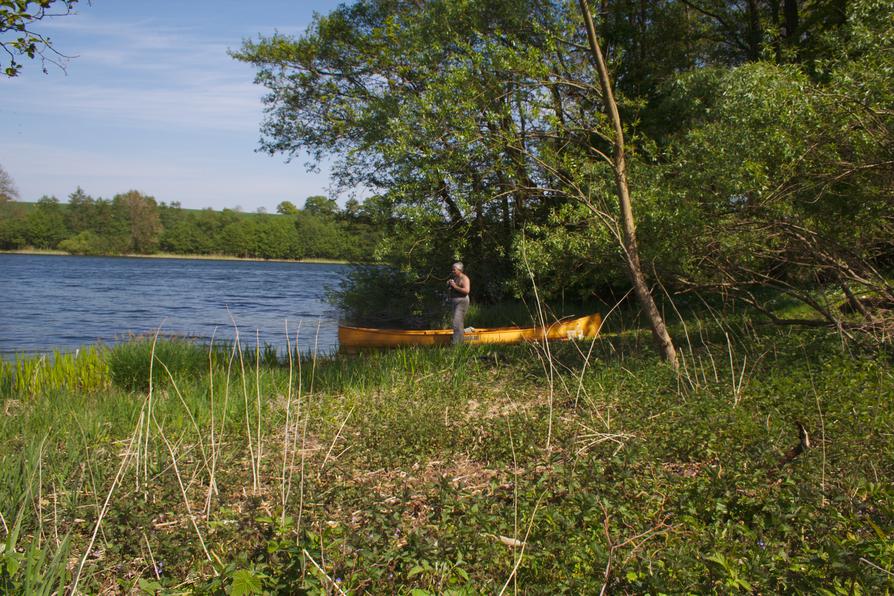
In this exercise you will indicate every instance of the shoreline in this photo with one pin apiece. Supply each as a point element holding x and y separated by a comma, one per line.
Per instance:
<point>62,253</point>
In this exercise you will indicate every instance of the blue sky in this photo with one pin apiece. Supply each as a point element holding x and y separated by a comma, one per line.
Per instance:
<point>151,101</point>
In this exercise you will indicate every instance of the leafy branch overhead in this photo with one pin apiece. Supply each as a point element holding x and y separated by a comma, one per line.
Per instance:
<point>18,37</point>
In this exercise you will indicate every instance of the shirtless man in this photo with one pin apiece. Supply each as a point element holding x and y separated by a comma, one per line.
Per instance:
<point>458,290</point>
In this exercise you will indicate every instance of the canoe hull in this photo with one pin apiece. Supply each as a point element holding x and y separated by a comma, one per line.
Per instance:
<point>356,338</point>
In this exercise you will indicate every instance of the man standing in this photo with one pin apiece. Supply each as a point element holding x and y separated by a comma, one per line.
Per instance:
<point>458,288</point>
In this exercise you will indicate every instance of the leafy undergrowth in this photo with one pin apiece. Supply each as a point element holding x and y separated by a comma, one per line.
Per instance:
<point>463,471</point>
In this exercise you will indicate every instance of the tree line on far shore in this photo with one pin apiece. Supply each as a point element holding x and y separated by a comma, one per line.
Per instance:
<point>135,223</point>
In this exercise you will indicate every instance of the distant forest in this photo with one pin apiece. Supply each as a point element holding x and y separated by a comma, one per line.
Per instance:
<point>134,223</point>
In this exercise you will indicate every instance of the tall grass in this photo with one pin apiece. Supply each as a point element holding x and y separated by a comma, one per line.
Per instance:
<point>85,370</point>
<point>428,468</point>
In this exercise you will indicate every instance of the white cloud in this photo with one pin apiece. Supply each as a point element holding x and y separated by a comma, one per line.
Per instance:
<point>151,106</point>
<point>221,106</point>
<point>141,74</point>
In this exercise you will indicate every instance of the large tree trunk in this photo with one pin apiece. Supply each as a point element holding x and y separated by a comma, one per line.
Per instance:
<point>791,21</point>
<point>631,252</point>
<point>754,34</point>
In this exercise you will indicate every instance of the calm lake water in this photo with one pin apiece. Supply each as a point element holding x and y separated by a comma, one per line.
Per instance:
<point>61,302</point>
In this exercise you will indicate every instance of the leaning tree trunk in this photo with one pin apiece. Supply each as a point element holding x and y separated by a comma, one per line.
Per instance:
<point>631,252</point>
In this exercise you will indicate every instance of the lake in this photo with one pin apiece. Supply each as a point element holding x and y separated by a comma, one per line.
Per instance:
<point>66,302</point>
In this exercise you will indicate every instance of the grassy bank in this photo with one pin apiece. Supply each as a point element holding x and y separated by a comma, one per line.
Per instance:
<point>524,469</point>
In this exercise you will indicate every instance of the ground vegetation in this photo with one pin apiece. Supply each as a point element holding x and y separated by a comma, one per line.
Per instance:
<point>165,466</point>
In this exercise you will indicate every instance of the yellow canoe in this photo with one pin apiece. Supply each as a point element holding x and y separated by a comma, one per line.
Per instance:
<point>354,338</point>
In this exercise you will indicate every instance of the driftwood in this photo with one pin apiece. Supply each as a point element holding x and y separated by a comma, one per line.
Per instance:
<point>802,446</point>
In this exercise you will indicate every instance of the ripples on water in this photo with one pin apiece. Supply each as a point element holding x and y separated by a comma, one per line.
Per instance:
<point>61,302</point>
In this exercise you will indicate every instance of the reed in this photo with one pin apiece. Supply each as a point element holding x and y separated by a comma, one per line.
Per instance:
<point>85,370</point>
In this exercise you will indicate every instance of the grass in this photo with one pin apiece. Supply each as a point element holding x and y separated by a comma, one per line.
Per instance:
<point>573,469</point>
<point>84,370</point>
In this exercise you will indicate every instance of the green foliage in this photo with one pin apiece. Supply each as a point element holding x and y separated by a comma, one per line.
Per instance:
<point>140,213</point>
<point>315,236</point>
<point>427,470</point>
<point>19,18</point>
<point>132,223</point>
<point>32,569</point>
<point>246,582</point>
<point>12,225</point>
<point>798,191</point>
<point>8,189</point>
<point>79,213</point>
<point>185,235</point>
<point>321,207</point>
<point>85,243</point>
<point>85,370</point>
<point>387,297</point>
<point>275,238</point>
<point>759,158</point>
<point>287,208</point>
<point>758,138</point>
<point>44,225</point>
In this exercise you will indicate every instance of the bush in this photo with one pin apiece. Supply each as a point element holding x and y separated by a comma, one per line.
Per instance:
<point>85,243</point>
<point>378,296</point>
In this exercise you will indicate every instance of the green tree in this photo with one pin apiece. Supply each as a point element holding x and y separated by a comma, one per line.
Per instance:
<point>12,220</point>
<point>321,207</point>
<point>84,243</point>
<point>485,132</point>
<point>185,236</point>
<point>238,238</point>
<point>12,215</point>
<point>143,222</point>
<point>316,237</point>
<point>80,212</point>
<point>170,214</point>
<point>45,225</point>
<point>802,198</point>
<point>208,224</point>
<point>414,137</point>
<point>275,238</point>
<point>352,210</point>
<point>8,189</point>
<point>287,208</point>
<point>110,222</point>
